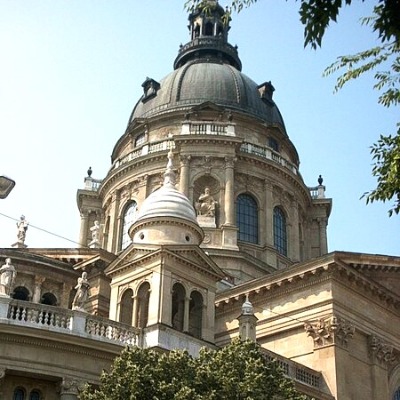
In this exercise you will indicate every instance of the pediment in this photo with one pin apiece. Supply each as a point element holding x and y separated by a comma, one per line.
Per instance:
<point>136,256</point>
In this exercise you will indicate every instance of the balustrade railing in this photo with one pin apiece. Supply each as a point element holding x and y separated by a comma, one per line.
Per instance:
<point>112,330</point>
<point>25,313</point>
<point>295,371</point>
<point>269,154</point>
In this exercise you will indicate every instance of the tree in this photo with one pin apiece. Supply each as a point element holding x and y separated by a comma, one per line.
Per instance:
<point>316,15</point>
<point>238,371</point>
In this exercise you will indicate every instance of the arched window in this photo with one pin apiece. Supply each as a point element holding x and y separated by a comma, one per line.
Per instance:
<point>126,307</point>
<point>21,293</point>
<point>34,395</point>
<point>396,395</point>
<point>140,139</point>
<point>49,299</point>
<point>247,218</point>
<point>143,298</point>
<point>280,234</point>
<point>129,217</point>
<point>195,314</point>
<point>178,306</point>
<point>19,394</point>
<point>209,31</point>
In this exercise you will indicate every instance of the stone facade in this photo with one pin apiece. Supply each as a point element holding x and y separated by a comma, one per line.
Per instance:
<point>164,274</point>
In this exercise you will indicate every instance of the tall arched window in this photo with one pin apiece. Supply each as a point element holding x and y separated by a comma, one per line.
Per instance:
<point>280,234</point>
<point>129,217</point>
<point>19,394</point>
<point>247,218</point>
<point>126,307</point>
<point>396,395</point>
<point>34,395</point>
<point>143,298</point>
<point>195,314</point>
<point>178,306</point>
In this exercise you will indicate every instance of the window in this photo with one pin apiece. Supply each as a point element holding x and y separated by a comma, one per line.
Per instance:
<point>396,395</point>
<point>247,218</point>
<point>49,299</point>
<point>19,394</point>
<point>21,293</point>
<point>143,298</point>
<point>280,236</point>
<point>195,314</point>
<point>178,306</point>
<point>273,143</point>
<point>129,217</point>
<point>35,395</point>
<point>140,139</point>
<point>126,307</point>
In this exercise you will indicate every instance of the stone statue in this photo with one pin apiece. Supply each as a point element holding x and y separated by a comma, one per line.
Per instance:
<point>206,204</point>
<point>22,226</point>
<point>95,243</point>
<point>82,293</point>
<point>7,278</point>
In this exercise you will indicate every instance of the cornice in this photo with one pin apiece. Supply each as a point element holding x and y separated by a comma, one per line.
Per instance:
<point>308,274</point>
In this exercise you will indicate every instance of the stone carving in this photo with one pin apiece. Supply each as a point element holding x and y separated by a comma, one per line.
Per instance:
<point>331,330</point>
<point>95,229</point>
<point>82,293</point>
<point>71,386</point>
<point>380,350</point>
<point>7,278</point>
<point>22,227</point>
<point>206,204</point>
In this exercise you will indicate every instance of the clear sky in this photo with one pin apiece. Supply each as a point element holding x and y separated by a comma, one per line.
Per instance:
<point>71,72</point>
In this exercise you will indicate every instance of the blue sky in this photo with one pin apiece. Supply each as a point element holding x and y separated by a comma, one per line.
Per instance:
<point>71,72</point>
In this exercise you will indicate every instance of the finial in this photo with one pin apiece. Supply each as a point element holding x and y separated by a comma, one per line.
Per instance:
<point>320,180</point>
<point>89,172</point>
<point>169,174</point>
<point>247,307</point>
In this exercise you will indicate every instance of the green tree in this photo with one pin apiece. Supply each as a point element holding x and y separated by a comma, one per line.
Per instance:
<point>316,15</point>
<point>238,371</point>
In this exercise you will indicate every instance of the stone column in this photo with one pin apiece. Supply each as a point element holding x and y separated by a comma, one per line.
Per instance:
<point>84,228</point>
<point>134,311</point>
<point>116,222</point>
<point>269,212</point>
<point>229,192</point>
<point>323,245</point>
<point>69,389</point>
<point>37,291</point>
<point>184,175</point>
<point>2,376</point>
<point>294,234</point>
<point>186,315</point>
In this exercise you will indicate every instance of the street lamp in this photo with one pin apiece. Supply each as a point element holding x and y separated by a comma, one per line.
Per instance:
<point>6,185</point>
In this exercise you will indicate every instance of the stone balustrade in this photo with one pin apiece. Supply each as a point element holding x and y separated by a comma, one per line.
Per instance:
<point>56,319</point>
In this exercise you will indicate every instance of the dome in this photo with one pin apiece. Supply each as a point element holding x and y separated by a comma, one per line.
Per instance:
<point>207,69</point>
<point>167,201</point>
<point>208,80</point>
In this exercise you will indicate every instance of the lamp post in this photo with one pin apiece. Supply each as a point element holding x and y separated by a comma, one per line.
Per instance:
<point>6,185</point>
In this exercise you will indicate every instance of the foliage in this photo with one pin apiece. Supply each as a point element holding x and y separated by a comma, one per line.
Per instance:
<point>316,15</point>
<point>238,371</point>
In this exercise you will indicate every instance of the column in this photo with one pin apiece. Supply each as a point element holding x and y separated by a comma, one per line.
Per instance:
<point>323,245</point>
<point>37,291</point>
<point>184,175</point>
<point>84,228</point>
<point>116,222</point>
<point>269,213</point>
<point>186,315</point>
<point>69,389</point>
<point>135,311</point>
<point>295,239</point>
<point>229,192</point>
